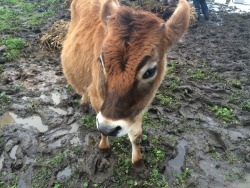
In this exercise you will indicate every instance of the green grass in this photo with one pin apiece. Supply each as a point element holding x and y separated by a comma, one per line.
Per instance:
<point>14,47</point>
<point>214,153</point>
<point>4,99</point>
<point>17,14</point>
<point>234,175</point>
<point>171,68</point>
<point>197,75</point>
<point>121,148</point>
<point>183,176</point>
<point>246,105</point>
<point>223,113</point>
<point>88,121</point>
<point>164,100</point>
<point>232,158</point>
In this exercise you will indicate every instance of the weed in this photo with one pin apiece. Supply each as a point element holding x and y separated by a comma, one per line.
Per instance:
<point>4,99</point>
<point>1,69</point>
<point>183,176</point>
<point>171,67</point>
<point>14,46</point>
<point>248,139</point>
<point>235,96</point>
<point>159,154</point>
<point>164,100</point>
<point>85,184</point>
<point>156,180</point>
<point>232,158</point>
<point>57,185</point>
<point>58,159</point>
<point>88,121</point>
<point>171,139</point>
<point>214,154</point>
<point>174,83</point>
<point>20,87</point>
<point>237,83</point>
<point>223,113</point>
<point>197,74</point>
<point>234,175</point>
<point>246,105</point>
<point>148,122</point>
<point>69,89</point>
<point>144,137</point>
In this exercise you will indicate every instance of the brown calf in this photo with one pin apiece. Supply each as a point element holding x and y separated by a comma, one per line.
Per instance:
<point>116,57</point>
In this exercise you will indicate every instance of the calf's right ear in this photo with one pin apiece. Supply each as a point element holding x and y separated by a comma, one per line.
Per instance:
<point>107,8</point>
<point>178,23</point>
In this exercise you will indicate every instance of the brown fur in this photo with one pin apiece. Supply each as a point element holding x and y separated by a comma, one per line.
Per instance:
<point>128,39</point>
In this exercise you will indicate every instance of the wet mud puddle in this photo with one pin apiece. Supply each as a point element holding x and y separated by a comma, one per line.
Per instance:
<point>178,161</point>
<point>33,121</point>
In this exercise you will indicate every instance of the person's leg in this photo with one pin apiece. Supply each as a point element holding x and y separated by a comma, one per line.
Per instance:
<point>197,7</point>
<point>204,9</point>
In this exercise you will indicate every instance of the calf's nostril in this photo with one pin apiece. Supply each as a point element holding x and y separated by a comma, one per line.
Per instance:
<point>118,128</point>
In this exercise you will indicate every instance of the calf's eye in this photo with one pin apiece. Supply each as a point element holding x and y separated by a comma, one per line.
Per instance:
<point>149,73</point>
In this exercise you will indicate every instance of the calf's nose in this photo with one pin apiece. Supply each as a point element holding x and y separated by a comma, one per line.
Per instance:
<point>107,130</point>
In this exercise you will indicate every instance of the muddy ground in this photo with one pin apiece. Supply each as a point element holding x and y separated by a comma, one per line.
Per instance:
<point>196,132</point>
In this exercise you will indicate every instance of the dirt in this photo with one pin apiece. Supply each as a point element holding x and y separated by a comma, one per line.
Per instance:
<point>46,140</point>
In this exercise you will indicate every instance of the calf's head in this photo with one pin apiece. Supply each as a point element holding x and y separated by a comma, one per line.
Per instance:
<point>133,51</point>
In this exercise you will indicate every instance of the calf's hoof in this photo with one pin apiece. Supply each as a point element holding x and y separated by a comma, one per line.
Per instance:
<point>105,152</point>
<point>140,169</point>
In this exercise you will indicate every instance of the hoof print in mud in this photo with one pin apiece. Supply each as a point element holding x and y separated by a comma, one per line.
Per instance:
<point>140,169</point>
<point>105,152</point>
<point>102,165</point>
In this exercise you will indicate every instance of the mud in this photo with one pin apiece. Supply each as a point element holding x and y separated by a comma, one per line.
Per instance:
<point>47,140</point>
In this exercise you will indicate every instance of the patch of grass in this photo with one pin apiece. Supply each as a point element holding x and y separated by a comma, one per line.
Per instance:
<point>234,175</point>
<point>16,14</point>
<point>214,153</point>
<point>183,176</point>
<point>197,75</point>
<point>171,139</point>
<point>69,89</point>
<point>20,87</point>
<point>88,121</point>
<point>1,69</point>
<point>174,83</point>
<point>121,147</point>
<point>4,99</point>
<point>156,180</point>
<point>235,96</point>
<point>223,113</point>
<point>57,159</point>
<point>159,154</point>
<point>246,105</point>
<point>171,68</point>
<point>232,158</point>
<point>57,185</point>
<point>14,47</point>
<point>148,122</point>
<point>85,184</point>
<point>237,83</point>
<point>164,100</point>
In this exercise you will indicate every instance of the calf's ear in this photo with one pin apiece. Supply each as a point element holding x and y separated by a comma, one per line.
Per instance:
<point>177,24</point>
<point>107,8</point>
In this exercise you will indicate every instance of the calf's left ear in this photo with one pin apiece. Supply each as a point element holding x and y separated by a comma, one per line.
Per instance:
<point>107,8</point>
<point>177,24</point>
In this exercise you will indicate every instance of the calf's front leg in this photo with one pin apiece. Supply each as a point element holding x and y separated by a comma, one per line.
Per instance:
<point>137,160</point>
<point>104,146</point>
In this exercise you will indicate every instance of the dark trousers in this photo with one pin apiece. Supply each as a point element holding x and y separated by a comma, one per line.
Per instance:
<point>201,5</point>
